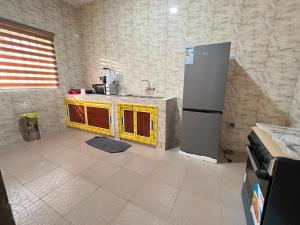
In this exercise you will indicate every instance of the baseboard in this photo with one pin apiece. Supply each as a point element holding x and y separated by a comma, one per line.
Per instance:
<point>194,156</point>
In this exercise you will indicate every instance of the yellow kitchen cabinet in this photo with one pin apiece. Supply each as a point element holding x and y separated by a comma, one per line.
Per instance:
<point>90,116</point>
<point>138,123</point>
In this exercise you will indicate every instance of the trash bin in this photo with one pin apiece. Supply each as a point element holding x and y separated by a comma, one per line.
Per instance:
<point>28,126</point>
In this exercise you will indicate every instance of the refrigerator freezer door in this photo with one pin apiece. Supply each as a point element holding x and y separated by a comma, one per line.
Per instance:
<point>200,133</point>
<point>205,79</point>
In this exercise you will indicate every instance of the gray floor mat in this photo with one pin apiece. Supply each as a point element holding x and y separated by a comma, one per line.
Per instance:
<point>108,145</point>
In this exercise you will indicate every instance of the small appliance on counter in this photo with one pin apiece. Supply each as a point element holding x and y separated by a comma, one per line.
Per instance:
<point>89,91</point>
<point>271,185</point>
<point>99,88</point>
<point>107,85</point>
<point>108,75</point>
<point>112,89</point>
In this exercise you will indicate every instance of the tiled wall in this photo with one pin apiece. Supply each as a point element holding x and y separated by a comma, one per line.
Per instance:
<point>295,112</point>
<point>57,17</point>
<point>141,40</point>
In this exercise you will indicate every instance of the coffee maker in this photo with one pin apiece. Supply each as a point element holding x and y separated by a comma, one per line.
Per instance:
<point>107,85</point>
<point>112,86</point>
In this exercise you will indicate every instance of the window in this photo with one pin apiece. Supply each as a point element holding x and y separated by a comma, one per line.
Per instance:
<point>27,57</point>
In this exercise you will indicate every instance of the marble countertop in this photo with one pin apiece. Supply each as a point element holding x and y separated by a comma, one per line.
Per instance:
<point>131,98</point>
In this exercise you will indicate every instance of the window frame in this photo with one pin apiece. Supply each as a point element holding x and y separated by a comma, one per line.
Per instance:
<point>40,70</point>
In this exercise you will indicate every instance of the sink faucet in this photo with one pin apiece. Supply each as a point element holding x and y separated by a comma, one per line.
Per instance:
<point>149,88</point>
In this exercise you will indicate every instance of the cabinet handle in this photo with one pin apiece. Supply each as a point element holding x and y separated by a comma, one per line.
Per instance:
<point>109,119</point>
<point>151,125</point>
<point>122,120</point>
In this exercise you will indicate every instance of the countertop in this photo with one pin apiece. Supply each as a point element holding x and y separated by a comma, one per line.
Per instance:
<point>118,98</point>
<point>274,149</point>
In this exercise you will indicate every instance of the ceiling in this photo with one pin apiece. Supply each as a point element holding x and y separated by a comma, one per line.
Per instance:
<point>78,3</point>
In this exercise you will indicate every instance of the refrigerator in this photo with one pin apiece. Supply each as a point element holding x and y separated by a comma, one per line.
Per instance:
<point>205,78</point>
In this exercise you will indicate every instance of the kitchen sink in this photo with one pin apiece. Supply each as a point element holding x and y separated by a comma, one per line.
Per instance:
<point>142,96</point>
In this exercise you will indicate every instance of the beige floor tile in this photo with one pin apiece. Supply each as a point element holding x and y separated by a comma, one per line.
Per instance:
<point>100,172</point>
<point>210,195</point>
<point>169,174</point>
<point>43,148</point>
<point>94,152</point>
<point>211,171</point>
<point>156,198</point>
<point>124,183</point>
<point>39,214</point>
<point>120,159</point>
<point>232,216</point>
<point>233,174</point>
<point>18,160</point>
<point>48,182</point>
<point>231,196</point>
<point>38,146</point>
<point>16,147</point>
<point>70,141</point>
<point>60,155</point>
<point>142,165</point>
<point>18,195</point>
<point>100,208</point>
<point>176,159</point>
<point>66,197</point>
<point>29,173</point>
<point>192,210</point>
<point>203,186</point>
<point>133,215</point>
<point>80,163</point>
<point>147,151</point>
<point>79,134</point>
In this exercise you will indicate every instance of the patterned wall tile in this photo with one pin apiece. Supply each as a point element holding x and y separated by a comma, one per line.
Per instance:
<point>60,18</point>
<point>140,39</point>
<point>295,109</point>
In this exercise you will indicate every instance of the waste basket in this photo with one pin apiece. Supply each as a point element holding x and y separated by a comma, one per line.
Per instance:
<point>28,126</point>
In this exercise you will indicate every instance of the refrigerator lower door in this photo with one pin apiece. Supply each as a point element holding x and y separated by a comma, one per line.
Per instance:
<point>200,133</point>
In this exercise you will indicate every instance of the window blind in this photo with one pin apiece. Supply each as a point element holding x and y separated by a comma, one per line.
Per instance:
<point>27,57</point>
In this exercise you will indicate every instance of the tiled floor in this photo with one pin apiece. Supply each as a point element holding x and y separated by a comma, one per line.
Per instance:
<point>60,180</point>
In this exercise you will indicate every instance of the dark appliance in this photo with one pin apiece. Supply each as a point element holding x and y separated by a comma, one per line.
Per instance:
<point>205,77</point>
<point>271,188</point>
<point>103,80</point>
<point>6,215</point>
<point>89,91</point>
<point>99,88</point>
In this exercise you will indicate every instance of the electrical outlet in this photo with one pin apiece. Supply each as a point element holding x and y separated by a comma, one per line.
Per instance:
<point>231,125</point>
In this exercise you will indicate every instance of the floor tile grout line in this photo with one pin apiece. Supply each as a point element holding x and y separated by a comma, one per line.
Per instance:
<point>180,190</point>
<point>121,210</point>
<point>64,216</point>
<point>56,166</point>
<point>146,178</point>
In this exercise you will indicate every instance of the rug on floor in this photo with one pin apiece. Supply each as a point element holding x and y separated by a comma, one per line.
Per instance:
<point>108,145</point>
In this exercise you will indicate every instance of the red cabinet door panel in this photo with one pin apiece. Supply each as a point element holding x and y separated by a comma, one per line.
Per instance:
<point>129,121</point>
<point>98,117</point>
<point>143,124</point>
<point>76,113</point>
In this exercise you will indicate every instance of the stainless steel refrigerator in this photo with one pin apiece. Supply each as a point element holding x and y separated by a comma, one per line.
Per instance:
<point>203,99</point>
